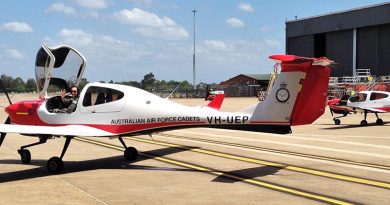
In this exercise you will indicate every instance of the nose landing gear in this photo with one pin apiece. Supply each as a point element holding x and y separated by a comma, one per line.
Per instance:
<point>54,164</point>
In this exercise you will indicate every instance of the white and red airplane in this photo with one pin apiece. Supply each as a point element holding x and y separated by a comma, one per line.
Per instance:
<point>365,101</point>
<point>298,97</point>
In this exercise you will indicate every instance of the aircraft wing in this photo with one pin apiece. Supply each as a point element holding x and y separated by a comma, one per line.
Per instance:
<point>71,130</point>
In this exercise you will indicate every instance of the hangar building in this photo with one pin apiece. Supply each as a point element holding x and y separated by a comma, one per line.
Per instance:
<point>356,39</point>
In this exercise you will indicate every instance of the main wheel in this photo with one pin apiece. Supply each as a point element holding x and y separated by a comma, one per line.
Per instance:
<point>363,123</point>
<point>379,121</point>
<point>131,154</point>
<point>55,165</point>
<point>25,156</point>
<point>337,121</point>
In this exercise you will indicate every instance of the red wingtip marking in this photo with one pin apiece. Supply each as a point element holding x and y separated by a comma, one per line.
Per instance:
<point>216,103</point>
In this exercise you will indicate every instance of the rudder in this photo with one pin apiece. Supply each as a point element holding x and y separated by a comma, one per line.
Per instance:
<point>311,100</point>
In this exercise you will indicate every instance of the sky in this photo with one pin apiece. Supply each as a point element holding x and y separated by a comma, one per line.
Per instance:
<point>123,40</point>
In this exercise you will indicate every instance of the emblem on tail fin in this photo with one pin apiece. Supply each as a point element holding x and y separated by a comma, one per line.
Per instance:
<point>282,94</point>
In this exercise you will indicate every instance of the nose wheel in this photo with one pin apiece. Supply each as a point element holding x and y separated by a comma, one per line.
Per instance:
<point>25,156</point>
<point>336,121</point>
<point>54,164</point>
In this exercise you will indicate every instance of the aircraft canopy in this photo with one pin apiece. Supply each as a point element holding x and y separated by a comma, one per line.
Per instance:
<point>59,67</point>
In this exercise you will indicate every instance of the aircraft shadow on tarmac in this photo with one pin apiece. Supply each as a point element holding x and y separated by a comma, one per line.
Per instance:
<point>249,173</point>
<point>337,127</point>
<point>118,162</point>
<point>115,162</point>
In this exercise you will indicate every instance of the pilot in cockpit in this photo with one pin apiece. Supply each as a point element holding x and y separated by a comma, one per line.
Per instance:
<point>69,100</point>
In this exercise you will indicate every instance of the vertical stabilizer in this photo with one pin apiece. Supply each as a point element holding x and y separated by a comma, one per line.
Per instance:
<point>216,103</point>
<point>299,93</point>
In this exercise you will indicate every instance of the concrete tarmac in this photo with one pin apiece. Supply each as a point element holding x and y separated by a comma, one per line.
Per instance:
<point>316,164</point>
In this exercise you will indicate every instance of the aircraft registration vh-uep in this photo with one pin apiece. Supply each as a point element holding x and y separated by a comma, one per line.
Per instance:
<point>298,97</point>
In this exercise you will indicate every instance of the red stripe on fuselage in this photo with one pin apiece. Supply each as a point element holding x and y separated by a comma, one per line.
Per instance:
<point>270,122</point>
<point>386,109</point>
<point>129,128</point>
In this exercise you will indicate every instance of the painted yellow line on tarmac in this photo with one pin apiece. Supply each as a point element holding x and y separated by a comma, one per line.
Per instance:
<point>100,143</point>
<point>280,151</point>
<point>262,162</point>
<point>256,182</point>
<point>227,175</point>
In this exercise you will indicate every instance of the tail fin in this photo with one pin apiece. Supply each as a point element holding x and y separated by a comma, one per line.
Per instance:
<point>299,93</point>
<point>216,103</point>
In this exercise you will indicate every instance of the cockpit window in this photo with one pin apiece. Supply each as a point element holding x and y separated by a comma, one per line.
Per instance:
<point>99,95</point>
<point>360,97</point>
<point>377,96</point>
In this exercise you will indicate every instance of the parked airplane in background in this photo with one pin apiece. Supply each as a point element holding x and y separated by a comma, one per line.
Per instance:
<point>298,97</point>
<point>365,101</point>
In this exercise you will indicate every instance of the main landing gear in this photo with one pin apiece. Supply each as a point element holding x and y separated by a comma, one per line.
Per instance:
<point>379,121</point>
<point>130,153</point>
<point>54,164</point>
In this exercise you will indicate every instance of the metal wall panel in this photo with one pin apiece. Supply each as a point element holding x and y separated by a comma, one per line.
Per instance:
<point>367,46</point>
<point>373,38</point>
<point>369,16</point>
<point>339,49</point>
<point>383,50</point>
<point>300,46</point>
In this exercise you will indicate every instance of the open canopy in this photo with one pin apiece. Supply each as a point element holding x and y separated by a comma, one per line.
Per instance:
<point>60,66</point>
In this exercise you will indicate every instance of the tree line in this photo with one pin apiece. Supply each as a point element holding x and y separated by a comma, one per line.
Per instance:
<point>149,83</point>
<point>18,85</point>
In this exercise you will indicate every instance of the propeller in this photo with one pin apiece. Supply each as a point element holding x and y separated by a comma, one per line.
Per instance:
<point>5,91</point>
<point>3,134</point>
<point>8,121</point>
